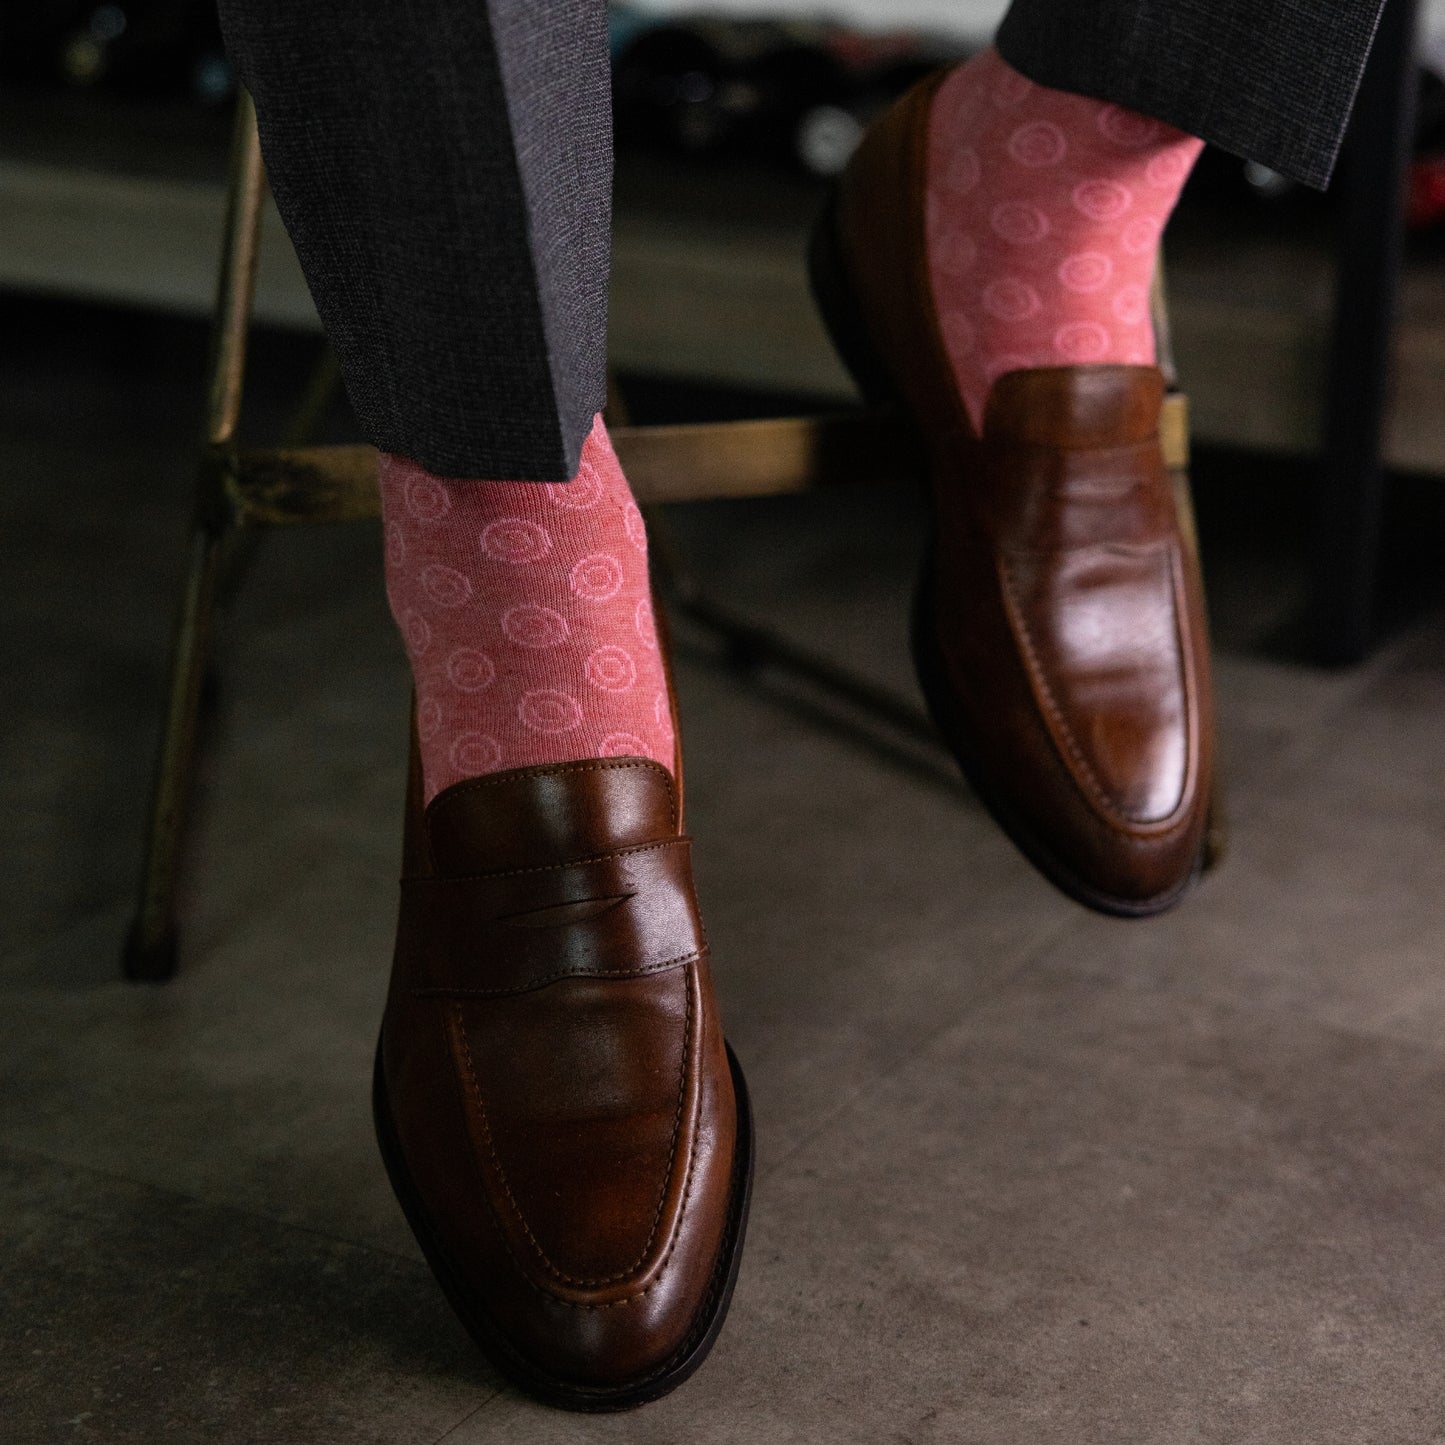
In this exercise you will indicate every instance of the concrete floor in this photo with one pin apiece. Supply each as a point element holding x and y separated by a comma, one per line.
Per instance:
<point>1026,1175</point>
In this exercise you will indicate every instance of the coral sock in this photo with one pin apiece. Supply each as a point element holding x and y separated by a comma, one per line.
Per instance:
<point>527,616</point>
<point>1044,216</point>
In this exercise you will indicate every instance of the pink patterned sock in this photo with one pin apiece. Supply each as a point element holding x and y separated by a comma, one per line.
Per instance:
<point>527,616</point>
<point>1044,216</point>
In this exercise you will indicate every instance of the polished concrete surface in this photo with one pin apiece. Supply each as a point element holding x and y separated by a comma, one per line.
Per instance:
<point>1025,1174</point>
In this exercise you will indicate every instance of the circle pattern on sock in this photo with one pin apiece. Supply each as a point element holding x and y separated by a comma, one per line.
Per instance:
<point>611,669</point>
<point>1102,200</point>
<point>1019,224</point>
<point>1130,305</point>
<point>529,624</point>
<point>636,527</point>
<point>1128,128</point>
<point>1012,293</point>
<point>516,540</point>
<point>417,632</point>
<point>554,648</point>
<point>1037,144</point>
<point>1082,342</point>
<point>471,670</point>
<point>1009,299</point>
<point>1085,272</point>
<point>546,710</point>
<point>426,498</point>
<point>597,578</point>
<point>1141,236</point>
<point>1169,169</point>
<point>474,753</point>
<point>445,585</point>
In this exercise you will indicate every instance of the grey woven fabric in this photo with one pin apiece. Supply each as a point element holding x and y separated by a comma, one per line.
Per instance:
<point>1273,80</point>
<point>444,168</point>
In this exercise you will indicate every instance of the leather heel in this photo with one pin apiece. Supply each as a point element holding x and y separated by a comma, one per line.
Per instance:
<point>878,257</point>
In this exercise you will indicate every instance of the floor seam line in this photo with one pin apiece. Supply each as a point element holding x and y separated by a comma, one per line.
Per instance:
<point>470,1415</point>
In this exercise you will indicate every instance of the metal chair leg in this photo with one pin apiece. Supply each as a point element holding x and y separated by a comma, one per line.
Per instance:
<point>150,946</point>
<point>1371,250</point>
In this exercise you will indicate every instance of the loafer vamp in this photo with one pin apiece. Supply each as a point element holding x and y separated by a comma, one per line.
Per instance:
<point>1075,680</point>
<point>1098,632</point>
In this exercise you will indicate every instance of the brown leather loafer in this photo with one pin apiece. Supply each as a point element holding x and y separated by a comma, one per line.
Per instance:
<point>563,1124</point>
<point>1059,630</point>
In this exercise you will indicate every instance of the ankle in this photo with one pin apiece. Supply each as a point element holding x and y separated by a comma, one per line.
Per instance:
<point>526,612</point>
<point>1045,213</point>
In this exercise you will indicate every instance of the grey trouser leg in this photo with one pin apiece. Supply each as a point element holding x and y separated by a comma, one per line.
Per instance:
<point>1272,80</point>
<point>444,168</point>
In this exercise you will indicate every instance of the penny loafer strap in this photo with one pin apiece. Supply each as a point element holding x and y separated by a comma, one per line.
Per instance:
<point>624,914</point>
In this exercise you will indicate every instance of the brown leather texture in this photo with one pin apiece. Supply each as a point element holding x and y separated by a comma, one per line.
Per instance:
<point>1060,630</point>
<point>554,1076</point>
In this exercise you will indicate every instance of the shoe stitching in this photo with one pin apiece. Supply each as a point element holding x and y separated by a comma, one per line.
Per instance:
<point>555,1299</point>
<point>650,968</point>
<point>662,1264</point>
<point>671,1160</point>
<point>702,1319</point>
<point>1084,770</point>
<point>666,1259</point>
